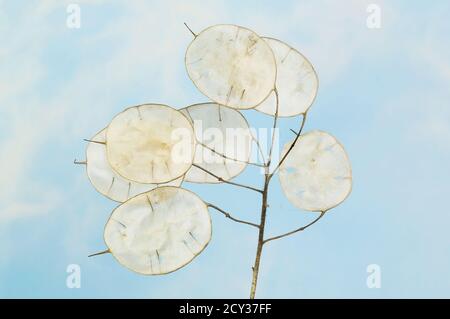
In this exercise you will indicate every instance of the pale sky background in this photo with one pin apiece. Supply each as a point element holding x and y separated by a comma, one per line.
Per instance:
<point>384,93</point>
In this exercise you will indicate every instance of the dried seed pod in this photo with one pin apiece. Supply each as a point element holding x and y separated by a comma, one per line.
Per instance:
<point>160,231</point>
<point>223,142</point>
<point>150,143</point>
<point>297,82</point>
<point>231,65</point>
<point>108,182</point>
<point>316,175</point>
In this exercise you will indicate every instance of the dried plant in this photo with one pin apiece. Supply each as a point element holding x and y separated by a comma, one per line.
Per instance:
<point>147,152</point>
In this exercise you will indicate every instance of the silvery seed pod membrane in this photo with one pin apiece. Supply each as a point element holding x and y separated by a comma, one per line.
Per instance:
<point>105,180</point>
<point>232,66</point>
<point>150,143</point>
<point>316,175</point>
<point>297,82</point>
<point>223,142</point>
<point>159,231</point>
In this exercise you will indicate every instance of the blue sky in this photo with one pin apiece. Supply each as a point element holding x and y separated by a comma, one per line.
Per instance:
<point>384,93</point>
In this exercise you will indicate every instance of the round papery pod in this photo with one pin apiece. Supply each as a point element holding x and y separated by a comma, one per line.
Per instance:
<point>231,65</point>
<point>316,174</point>
<point>223,142</point>
<point>105,180</point>
<point>159,231</point>
<point>297,82</point>
<point>150,143</point>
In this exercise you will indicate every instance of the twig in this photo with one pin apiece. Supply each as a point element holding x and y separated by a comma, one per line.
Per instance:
<point>100,253</point>
<point>92,141</point>
<point>190,30</point>
<point>227,215</point>
<point>267,177</point>
<point>264,205</point>
<point>75,161</point>
<point>229,158</point>
<point>290,147</point>
<point>220,179</point>
<point>275,120</point>
<point>259,247</point>
<point>258,145</point>
<point>296,230</point>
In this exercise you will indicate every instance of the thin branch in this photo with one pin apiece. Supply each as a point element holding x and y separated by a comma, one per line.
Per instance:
<point>229,158</point>
<point>220,179</point>
<point>275,120</point>
<point>258,145</point>
<point>75,161</point>
<point>190,30</point>
<point>92,141</point>
<point>264,205</point>
<point>259,247</point>
<point>227,215</point>
<point>100,253</point>
<point>296,230</point>
<point>292,145</point>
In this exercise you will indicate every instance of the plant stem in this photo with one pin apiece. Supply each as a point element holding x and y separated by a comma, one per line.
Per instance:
<point>265,192</point>
<point>267,177</point>
<point>259,248</point>
<point>220,179</point>
<point>296,230</point>
<point>227,215</point>
<point>292,145</point>
<point>100,253</point>
<point>190,30</point>
<point>229,158</point>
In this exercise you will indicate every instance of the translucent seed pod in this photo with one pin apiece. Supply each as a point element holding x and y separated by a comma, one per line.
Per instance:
<point>316,175</point>
<point>105,180</point>
<point>223,142</point>
<point>232,66</point>
<point>158,232</point>
<point>150,143</point>
<point>297,82</point>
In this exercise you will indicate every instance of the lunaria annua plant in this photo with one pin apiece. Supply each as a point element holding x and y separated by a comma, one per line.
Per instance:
<point>144,155</point>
